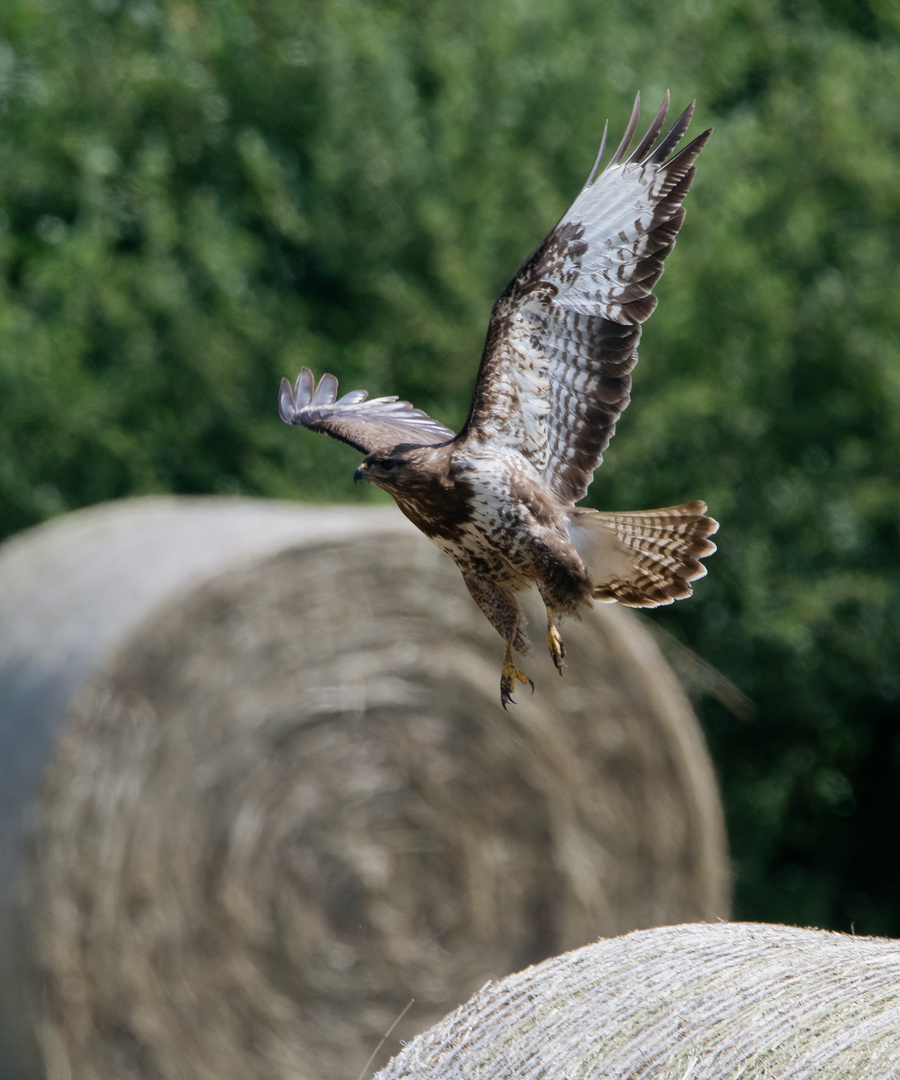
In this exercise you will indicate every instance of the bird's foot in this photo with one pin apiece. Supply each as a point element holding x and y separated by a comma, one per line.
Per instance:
<point>554,642</point>
<point>556,647</point>
<point>509,675</point>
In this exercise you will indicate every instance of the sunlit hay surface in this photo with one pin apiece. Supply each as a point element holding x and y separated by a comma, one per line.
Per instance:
<point>291,802</point>
<point>681,1003</point>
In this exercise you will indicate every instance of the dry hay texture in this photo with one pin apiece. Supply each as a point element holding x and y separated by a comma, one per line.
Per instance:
<point>274,796</point>
<point>702,1002</point>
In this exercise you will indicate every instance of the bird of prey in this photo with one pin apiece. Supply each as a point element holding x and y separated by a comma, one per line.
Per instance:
<point>500,497</point>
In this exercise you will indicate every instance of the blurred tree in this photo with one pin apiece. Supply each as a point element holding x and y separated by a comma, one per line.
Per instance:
<point>198,196</point>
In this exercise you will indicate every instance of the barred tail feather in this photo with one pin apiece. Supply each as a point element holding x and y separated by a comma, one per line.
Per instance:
<point>646,558</point>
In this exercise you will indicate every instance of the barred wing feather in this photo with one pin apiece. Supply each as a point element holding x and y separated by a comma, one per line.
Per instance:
<point>555,374</point>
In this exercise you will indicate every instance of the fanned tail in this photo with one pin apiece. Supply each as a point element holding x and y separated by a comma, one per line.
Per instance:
<point>646,558</point>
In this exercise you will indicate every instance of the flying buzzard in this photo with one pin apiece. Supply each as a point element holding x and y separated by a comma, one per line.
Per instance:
<point>555,376</point>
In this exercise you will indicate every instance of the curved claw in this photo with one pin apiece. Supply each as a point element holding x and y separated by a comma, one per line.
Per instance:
<point>506,694</point>
<point>555,644</point>
<point>509,676</point>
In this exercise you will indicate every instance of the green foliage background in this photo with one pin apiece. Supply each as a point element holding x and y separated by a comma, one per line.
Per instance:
<point>198,196</point>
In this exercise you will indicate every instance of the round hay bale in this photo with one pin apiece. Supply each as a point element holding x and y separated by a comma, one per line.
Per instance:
<point>681,1003</point>
<point>260,792</point>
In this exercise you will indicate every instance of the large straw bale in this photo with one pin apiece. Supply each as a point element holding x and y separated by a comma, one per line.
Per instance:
<point>273,796</point>
<point>698,1002</point>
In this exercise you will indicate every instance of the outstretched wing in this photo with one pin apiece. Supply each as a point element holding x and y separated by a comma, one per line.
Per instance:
<point>556,371</point>
<point>375,426</point>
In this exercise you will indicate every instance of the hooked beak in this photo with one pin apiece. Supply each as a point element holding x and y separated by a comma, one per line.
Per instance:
<point>360,474</point>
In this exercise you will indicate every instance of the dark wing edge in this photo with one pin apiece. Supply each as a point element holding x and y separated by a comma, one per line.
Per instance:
<point>372,426</point>
<point>572,315</point>
<point>625,301</point>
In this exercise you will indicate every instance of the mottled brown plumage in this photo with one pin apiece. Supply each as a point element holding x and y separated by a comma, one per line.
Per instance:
<point>555,376</point>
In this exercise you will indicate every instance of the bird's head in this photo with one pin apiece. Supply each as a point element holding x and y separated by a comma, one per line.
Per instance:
<point>407,471</point>
<point>392,471</point>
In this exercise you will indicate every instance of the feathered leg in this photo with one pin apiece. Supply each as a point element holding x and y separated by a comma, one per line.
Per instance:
<point>503,613</point>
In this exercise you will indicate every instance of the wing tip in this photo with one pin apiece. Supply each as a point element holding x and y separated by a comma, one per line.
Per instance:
<point>286,405</point>
<point>326,391</point>
<point>646,144</point>
<point>599,156</point>
<point>644,151</point>
<point>293,399</point>
<point>622,148</point>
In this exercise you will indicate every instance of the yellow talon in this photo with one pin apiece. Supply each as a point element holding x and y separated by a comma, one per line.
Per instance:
<point>555,644</point>
<point>509,674</point>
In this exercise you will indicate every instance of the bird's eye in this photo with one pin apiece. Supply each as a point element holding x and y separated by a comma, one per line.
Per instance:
<point>388,464</point>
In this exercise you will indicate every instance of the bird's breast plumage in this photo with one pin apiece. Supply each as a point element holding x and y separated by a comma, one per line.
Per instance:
<point>492,515</point>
